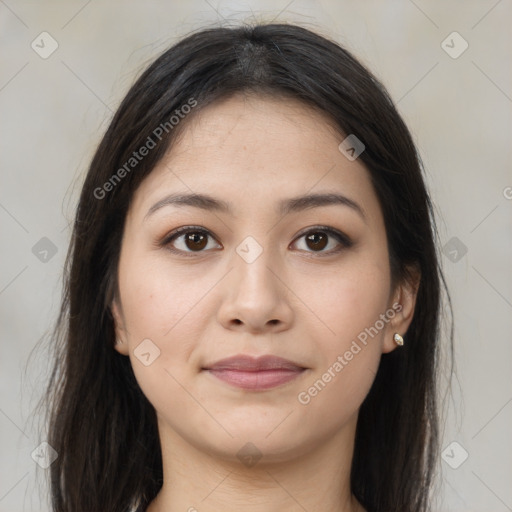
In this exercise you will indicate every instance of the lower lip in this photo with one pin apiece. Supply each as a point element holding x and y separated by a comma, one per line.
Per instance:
<point>264,379</point>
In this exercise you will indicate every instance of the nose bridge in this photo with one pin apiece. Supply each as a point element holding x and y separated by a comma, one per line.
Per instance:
<point>255,295</point>
<point>256,265</point>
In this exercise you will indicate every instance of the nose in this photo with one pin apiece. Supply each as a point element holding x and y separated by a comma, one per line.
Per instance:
<point>255,296</point>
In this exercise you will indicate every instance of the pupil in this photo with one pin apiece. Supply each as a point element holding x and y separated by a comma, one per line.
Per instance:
<point>316,243</point>
<point>194,238</point>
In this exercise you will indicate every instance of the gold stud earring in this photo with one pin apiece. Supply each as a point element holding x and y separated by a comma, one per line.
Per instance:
<point>398,339</point>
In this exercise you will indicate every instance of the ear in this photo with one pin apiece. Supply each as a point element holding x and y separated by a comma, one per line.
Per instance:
<point>403,303</point>
<point>121,344</point>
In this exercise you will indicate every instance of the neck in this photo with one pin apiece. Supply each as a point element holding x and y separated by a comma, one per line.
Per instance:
<point>318,479</point>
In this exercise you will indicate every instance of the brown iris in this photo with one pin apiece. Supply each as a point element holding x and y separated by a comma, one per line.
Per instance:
<point>196,241</point>
<point>317,241</point>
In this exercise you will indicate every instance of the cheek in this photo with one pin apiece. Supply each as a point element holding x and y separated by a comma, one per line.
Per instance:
<point>348,299</point>
<point>159,308</point>
<point>156,295</point>
<point>159,303</point>
<point>349,349</point>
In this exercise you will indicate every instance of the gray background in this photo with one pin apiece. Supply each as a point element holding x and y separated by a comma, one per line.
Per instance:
<point>54,111</point>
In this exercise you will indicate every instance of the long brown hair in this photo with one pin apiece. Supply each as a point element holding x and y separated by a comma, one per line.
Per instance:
<point>99,421</point>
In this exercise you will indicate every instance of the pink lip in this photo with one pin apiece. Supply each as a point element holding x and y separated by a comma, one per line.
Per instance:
<point>246,372</point>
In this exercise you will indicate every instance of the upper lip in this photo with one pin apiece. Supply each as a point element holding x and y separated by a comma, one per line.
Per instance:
<point>254,364</point>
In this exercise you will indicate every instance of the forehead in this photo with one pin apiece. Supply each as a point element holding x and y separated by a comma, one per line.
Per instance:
<point>251,148</point>
<point>243,120</point>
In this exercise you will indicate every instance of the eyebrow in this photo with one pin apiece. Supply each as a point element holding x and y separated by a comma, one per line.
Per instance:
<point>285,206</point>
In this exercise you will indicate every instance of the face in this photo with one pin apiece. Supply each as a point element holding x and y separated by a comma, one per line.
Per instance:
<point>307,281</point>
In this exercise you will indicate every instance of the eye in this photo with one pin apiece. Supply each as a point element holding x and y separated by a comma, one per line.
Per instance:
<point>193,239</point>
<point>317,239</point>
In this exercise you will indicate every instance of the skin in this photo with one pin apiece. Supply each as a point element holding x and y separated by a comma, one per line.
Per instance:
<point>291,302</point>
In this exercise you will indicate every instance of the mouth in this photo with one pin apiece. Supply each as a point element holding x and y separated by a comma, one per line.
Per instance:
<point>250,373</point>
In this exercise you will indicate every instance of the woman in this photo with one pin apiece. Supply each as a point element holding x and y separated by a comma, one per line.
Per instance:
<point>251,310</point>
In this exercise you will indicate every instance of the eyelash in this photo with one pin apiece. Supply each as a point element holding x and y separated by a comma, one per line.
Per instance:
<point>343,240</point>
